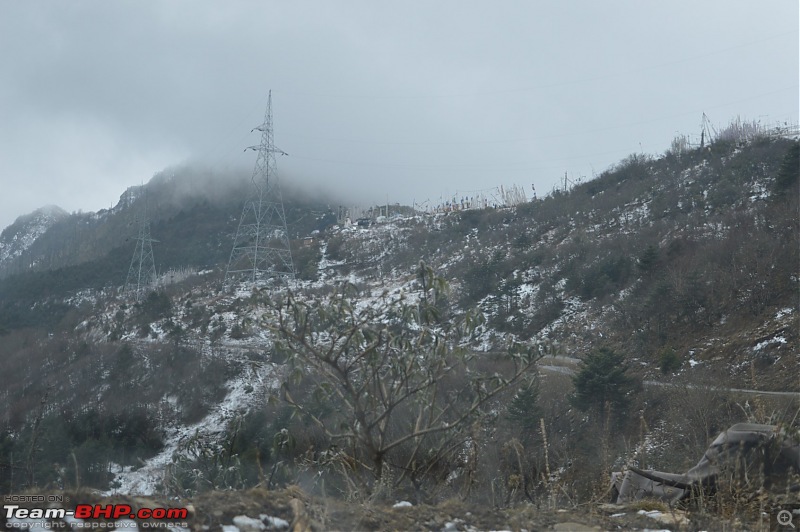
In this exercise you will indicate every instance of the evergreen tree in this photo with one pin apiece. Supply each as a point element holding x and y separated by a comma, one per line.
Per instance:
<point>523,409</point>
<point>602,380</point>
<point>648,259</point>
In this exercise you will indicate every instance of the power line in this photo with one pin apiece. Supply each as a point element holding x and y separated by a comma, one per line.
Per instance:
<point>573,132</point>
<point>505,166</point>
<point>696,57</point>
<point>525,165</point>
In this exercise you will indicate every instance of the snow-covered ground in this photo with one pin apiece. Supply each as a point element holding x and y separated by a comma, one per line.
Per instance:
<point>244,392</point>
<point>19,236</point>
<point>380,280</point>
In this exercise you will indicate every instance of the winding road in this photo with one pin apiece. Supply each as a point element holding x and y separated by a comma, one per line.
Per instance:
<point>565,370</point>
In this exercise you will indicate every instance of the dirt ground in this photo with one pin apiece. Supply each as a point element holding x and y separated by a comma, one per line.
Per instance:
<point>294,510</point>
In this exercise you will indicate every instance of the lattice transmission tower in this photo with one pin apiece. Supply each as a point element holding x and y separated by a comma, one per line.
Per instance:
<point>142,272</point>
<point>261,249</point>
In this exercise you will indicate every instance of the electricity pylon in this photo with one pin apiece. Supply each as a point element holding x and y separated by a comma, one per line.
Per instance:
<point>142,272</point>
<point>261,249</point>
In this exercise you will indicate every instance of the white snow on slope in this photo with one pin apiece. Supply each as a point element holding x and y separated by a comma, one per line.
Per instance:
<point>20,235</point>
<point>245,391</point>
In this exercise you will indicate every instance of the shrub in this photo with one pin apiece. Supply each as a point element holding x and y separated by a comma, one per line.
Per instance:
<point>306,261</point>
<point>789,172</point>
<point>669,361</point>
<point>649,259</point>
<point>157,305</point>
<point>602,277</point>
<point>334,249</point>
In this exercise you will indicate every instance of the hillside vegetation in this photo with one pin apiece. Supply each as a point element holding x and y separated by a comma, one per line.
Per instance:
<point>512,354</point>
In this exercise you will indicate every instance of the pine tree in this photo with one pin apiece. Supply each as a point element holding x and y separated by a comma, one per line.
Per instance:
<point>602,380</point>
<point>523,409</point>
<point>648,259</point>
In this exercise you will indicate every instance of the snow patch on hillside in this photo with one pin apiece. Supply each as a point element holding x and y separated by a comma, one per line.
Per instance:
<point>19,236</point>
<point>245,391</point>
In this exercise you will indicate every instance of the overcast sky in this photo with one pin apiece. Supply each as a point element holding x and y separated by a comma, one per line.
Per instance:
<point>414,100</point>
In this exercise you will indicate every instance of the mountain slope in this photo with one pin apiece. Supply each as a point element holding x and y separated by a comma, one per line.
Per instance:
<point>19,236</point>
<point>686,264</point>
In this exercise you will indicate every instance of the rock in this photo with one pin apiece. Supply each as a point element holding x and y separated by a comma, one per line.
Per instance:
<point>274,522</point>
<point>248,524</point>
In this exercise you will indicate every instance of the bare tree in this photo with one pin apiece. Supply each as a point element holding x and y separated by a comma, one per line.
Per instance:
<point>403,386</point>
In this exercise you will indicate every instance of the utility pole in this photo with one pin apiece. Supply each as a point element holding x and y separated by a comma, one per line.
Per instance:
<point>142,271</point>
<point>703,136</point>
<point>705,132</point>
<point>261,249</point>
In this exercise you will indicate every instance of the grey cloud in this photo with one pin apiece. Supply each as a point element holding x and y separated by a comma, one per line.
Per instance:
<point>412,100</point>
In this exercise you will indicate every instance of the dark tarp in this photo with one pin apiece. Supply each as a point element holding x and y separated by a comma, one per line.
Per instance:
<point>752,452</point>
